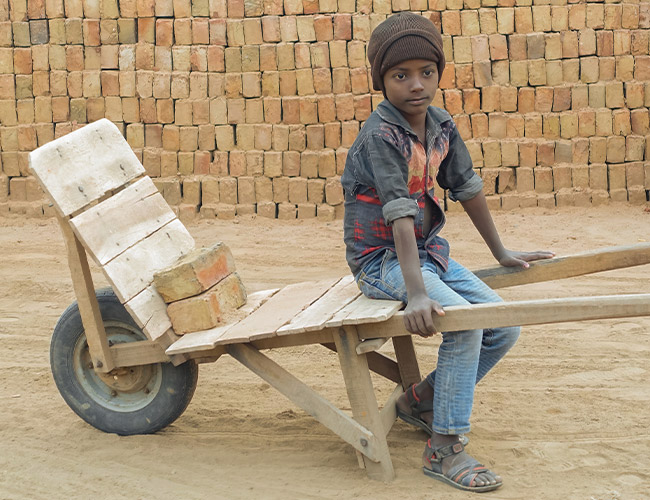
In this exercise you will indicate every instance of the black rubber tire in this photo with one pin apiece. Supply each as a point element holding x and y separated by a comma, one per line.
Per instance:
<point>158,394</point>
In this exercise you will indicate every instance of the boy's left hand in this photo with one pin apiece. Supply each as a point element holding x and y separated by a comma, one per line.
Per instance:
<point>511,258</point>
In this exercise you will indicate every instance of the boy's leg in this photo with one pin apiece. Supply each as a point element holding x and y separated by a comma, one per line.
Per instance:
<point>455,378</point>
<point>496,342</point>
<point>458,355</point>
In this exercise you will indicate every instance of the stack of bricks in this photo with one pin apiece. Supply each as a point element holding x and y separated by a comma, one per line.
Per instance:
<point>249,106</point>
<point>202,290</point>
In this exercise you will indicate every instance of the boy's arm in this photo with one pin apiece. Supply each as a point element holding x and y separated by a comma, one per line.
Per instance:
<point>418,315</point>
<point>479,213</point>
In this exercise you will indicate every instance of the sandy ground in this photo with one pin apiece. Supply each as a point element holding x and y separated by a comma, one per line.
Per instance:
<point>564,416</point>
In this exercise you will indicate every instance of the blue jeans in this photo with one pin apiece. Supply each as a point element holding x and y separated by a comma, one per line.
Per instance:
<point>464,357</point>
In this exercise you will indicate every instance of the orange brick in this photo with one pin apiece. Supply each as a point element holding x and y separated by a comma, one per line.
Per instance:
<point>349,132</point>
<point>271,29</point>
<point>288,28</point>
<point>323,28</point>
<point>342,27</point>
<point>451,24</point>
<point>208,309</point>
<point>498,47</point>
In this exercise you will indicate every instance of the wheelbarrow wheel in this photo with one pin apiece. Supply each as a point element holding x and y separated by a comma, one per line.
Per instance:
<point>132,400</point>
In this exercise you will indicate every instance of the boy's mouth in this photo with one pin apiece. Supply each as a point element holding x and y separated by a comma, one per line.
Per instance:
<point>416,101</point>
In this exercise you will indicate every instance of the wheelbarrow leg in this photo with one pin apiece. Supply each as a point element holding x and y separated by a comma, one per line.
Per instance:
<point>363,400</point>
<point>407,361</point>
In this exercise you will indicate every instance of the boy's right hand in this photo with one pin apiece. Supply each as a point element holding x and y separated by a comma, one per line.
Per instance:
<point>418,315</point>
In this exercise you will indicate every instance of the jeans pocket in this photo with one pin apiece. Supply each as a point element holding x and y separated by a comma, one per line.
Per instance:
<point>374,287</point>
<point>374,284</point>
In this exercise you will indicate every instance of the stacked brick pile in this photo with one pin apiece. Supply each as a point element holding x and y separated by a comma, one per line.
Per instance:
<point>249,106</point>
<point>202,290</point>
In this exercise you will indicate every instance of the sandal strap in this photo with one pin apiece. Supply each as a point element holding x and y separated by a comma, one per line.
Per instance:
<point>438,454</point>
<point>417,405</point>
<point>461,474</point>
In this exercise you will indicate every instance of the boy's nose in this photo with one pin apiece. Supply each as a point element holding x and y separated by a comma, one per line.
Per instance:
<point>416,85</point>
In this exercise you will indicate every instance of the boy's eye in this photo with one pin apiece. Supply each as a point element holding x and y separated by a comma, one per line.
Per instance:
<point>400,76</point>
<point>428,72</point>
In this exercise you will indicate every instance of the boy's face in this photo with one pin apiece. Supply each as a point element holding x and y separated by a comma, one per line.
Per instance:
<point>410,86</point>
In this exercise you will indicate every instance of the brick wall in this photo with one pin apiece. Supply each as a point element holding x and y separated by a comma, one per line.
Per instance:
<point>240,107</point>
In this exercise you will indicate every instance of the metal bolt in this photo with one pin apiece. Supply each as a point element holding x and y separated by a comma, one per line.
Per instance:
<point>99,364</point>
<point>364,442</point>
<point>146,390</point>
<point>113,393</point>
<point>90,366</point>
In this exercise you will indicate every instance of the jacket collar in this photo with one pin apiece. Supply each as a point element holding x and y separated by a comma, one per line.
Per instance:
<point>392,115</point>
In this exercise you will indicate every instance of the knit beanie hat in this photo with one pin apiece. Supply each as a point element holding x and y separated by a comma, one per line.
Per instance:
<point>401,37</point>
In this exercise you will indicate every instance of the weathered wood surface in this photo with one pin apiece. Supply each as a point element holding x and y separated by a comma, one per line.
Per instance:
<point>119,222</point>
<point>363,402</point>
<point>407,361</point>
<point>388,413</point>
<point>566,267</point>
<point>322,410</point>
<point>528,312</point>
<point>132,271</point>
<point>316,315</point>
<point>149,311</point>
<point>206,340</point>
<point>143,352</point>
<point>371,345</point>
<point>377,362</point>
<point>84,165</point>
<point>276,312</point>
<point>364,310</point>
<point>84,290</point>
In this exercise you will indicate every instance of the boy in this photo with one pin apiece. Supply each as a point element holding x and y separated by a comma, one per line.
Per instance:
<point>391,226</point>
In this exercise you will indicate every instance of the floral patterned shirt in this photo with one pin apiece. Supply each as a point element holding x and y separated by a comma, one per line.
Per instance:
<point>389,172</point>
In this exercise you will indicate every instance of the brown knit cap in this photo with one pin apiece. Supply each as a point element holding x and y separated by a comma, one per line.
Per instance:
<point>402,37</point>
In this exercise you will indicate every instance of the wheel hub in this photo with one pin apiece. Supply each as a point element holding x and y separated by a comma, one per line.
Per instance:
<point>129,379</point>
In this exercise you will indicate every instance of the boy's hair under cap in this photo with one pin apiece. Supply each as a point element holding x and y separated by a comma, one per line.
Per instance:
<point>402,37</point>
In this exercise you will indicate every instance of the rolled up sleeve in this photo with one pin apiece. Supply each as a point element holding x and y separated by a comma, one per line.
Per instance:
<point>456,173</point>
<point>389,169</point>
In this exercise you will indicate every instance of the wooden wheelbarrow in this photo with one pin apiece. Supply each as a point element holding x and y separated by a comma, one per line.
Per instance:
<point>121,367</point>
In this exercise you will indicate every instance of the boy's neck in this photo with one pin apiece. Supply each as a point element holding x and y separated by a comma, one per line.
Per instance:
<point>418,124</point>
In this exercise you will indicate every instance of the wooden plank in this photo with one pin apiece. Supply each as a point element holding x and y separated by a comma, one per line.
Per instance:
<point>364,310</point>
<point>315,316</point>
<point>206,339</point>
<point>378,363</point>
<point>388,413</point>
<point>370,345</point>
<point>529,312</point>
<point>565,267</point>
<point>82,166</point>
<point>84,290</point>
<point>306,398</point>
<point>276,312</point>
<point>363,402</point>
<point>149,311</point>
<point>407,361</point>
<point>117,223</point>
<point>143,352</point>
<point>132,271</point>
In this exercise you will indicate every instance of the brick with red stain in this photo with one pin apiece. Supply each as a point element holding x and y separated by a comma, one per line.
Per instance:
<point>208,309</point>
<point>195,273</point>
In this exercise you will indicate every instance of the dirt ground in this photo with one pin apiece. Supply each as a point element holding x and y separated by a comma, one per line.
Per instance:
<point>564,416</point>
